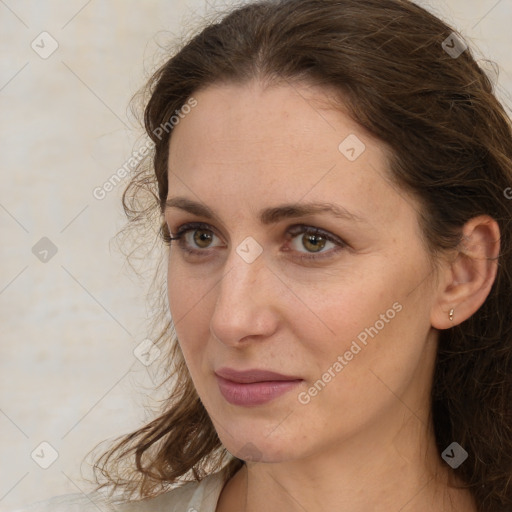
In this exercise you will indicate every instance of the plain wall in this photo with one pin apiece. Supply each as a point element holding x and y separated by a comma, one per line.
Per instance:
<point>69,325</point>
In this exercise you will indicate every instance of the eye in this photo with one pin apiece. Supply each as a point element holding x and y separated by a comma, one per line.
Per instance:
<point>196,238</point>
<point>314,240</point>
<point>196,235</point>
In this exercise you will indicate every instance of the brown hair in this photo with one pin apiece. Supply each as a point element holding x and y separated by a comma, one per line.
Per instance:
<point>451,146</point>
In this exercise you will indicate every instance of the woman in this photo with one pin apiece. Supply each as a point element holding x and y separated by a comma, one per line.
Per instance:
<point>331,179</point>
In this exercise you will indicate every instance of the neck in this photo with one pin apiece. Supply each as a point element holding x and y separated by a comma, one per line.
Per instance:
<point>381,469</point>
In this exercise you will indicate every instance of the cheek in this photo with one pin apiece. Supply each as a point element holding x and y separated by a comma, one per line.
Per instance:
<point>184,289</point>
<point>370,318</point>
<point>188,296</point>
<point>180,300</point>
<point>339,307</point>
<point>379,346</point>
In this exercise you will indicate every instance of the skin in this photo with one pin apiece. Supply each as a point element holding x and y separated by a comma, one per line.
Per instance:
<point>365,441</point>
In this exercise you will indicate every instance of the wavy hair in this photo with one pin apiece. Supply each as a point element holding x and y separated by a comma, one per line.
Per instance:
<point>450,141</point>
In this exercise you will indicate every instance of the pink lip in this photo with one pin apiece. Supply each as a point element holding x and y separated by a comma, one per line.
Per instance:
<point>253,387</point>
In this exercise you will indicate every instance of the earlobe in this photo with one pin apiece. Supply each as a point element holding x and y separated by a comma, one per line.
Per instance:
<point>468,278</point>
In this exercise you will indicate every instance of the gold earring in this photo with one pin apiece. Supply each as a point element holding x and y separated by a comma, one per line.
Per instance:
<point>450,315</point>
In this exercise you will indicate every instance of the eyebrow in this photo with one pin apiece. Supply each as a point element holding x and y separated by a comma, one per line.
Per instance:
<point>268,215</point>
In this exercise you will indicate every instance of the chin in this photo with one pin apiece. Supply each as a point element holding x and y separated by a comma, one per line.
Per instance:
<point>261,448</point>
<point>255,434</point>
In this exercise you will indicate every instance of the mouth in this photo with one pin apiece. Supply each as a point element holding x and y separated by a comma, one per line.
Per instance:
<point>253,387</point>
<point>253,375</point>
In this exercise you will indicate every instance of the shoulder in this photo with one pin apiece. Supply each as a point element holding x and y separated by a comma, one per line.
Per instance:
<point>67,503</point>
<point>192,496</point>
<point>201,496</point>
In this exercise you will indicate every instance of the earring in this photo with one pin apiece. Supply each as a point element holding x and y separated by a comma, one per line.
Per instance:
<point>450,315</point>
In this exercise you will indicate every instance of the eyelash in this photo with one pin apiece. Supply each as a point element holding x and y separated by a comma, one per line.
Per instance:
<point>293,231</point>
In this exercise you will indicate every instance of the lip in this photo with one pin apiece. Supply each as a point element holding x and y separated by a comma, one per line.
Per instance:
<point>253,375</point>
<point>253,387</point>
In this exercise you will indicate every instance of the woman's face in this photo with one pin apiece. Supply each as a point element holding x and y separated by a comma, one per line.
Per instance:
<point>343,314</point>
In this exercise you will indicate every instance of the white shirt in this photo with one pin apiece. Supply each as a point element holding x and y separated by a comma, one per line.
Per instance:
<point>190,497</point>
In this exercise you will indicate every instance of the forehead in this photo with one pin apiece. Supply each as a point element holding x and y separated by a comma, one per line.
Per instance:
<point>281,116</point>
<point>251,145</point>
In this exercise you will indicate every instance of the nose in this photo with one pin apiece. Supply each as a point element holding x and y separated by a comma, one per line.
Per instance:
<point>246,304</point>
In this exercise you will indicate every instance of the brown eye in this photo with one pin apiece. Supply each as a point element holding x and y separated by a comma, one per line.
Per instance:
<point>202,238</point>
<point>308,242</point>
<point>313,243</point>
<point>195,238</point>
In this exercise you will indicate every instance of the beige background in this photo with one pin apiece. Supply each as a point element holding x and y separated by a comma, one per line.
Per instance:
<point>69,326</point>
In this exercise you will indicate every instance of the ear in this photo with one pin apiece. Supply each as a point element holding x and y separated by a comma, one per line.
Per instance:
<point>466,280</point>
